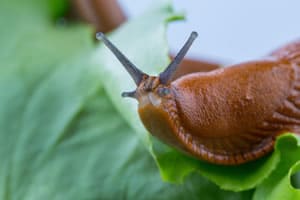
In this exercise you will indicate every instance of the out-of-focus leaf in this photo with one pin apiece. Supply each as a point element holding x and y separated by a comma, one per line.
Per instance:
<point>59,8</point>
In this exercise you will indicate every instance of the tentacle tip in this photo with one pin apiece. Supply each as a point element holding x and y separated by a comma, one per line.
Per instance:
<point>100,36</point>
<point>194,34</point>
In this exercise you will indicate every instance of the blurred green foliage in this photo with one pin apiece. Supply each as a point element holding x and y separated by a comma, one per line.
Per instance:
<point>58,8</point>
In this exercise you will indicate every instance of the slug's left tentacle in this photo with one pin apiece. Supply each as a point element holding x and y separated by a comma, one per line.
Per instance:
<point>136,74</point>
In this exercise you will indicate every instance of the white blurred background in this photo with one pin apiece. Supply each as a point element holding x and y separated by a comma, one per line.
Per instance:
<point>231,30</point>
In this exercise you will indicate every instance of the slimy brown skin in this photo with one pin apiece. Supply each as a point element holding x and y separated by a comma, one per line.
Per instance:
<point>227,116</point>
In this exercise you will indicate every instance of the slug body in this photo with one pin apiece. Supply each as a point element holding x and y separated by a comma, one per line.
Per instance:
<point>227,116</point>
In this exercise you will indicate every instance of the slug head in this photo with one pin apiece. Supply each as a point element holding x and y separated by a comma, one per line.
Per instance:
<point>150,89</point>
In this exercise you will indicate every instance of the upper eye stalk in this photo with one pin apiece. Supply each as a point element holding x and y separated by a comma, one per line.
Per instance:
<point>137,75</point>
<point>166,76</point>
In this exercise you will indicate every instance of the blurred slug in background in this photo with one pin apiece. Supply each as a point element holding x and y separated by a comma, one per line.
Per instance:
<point>227,116</point>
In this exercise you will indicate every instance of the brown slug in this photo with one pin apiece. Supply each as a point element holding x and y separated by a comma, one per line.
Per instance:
<point>227,116</point>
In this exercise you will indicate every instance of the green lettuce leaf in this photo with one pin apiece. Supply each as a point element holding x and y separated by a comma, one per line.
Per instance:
<point>278,185</point>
